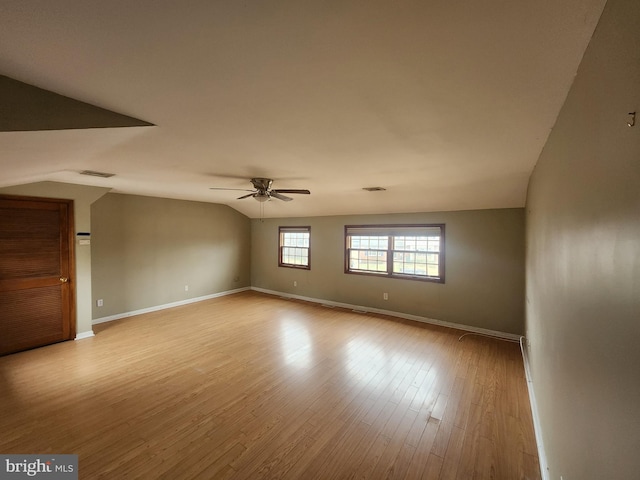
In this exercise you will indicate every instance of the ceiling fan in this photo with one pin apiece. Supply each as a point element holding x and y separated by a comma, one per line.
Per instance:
<point>264,192</point>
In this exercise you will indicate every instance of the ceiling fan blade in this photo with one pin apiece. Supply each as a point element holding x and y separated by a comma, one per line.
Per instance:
<point>284,190</point>
<point>246,196</point>
<point>238,189</point>
<point>275,194</point>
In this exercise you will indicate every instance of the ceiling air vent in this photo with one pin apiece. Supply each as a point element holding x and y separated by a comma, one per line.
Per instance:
<point>93,173</point>
<point>374,189</point>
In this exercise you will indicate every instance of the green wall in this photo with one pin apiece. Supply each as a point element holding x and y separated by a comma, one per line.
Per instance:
<point>583,263</point>
<point>484,268</point>
<point>145,250</point>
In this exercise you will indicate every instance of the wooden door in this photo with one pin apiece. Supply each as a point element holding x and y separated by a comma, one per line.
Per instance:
<point>36,272</point>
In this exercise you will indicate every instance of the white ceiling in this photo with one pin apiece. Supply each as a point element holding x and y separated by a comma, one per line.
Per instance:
<point>445,103</point>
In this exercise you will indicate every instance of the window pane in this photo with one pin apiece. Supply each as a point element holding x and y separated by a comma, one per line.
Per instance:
<point>295,256</point>
<point>294,247</point>
<point>373,261</point>
<point>412,261</point>
<point>413,255</point>
<point>432,270</point>
<point>367,242</point>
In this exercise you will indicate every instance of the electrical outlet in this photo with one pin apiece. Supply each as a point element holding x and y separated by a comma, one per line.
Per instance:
<point>385,296</point>
<point>186,288</point>
<point>100,302</point>
<point>295,283</point>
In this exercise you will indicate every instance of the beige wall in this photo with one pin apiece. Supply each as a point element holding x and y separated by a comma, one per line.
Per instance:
<point>484,268</point>
<point>583,264</point>
<point>147,249</point>
<point>82,197</point>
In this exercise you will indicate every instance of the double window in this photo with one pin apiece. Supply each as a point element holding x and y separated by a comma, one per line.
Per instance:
<point>293,247</point>
<point>402,251</point>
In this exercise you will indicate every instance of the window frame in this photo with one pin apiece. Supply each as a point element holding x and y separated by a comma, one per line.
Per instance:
<point>392,231</point>
<point>293,229</point>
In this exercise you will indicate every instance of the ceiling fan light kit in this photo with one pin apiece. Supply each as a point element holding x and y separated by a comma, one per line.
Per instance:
<point>263,191</point>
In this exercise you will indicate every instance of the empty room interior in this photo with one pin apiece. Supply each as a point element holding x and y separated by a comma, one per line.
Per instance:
<point>321,239</point>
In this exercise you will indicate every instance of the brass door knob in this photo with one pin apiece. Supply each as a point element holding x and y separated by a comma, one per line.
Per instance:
<point>64,279</point>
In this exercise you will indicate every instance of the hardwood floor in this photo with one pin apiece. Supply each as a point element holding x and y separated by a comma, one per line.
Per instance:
<point>252,386</point>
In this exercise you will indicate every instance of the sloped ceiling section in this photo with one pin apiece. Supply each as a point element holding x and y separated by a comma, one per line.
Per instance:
<point>446,104</point>
<point>25,108</point>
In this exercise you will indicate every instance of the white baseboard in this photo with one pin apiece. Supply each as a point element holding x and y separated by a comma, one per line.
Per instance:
<point>81,335</point>
<point>482,331</point>
<point>537,427</point>
<point>166,305</point>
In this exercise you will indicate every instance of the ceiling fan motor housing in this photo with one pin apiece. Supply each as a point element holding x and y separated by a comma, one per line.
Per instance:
<point>262,184</point>
<point>264,192</point>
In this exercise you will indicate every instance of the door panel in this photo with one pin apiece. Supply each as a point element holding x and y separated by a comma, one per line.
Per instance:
<point>36,259</point>
<point>30,314</point>
<point>30,243</point>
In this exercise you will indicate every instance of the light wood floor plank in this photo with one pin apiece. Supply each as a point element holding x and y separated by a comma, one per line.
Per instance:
<point>258,387</point>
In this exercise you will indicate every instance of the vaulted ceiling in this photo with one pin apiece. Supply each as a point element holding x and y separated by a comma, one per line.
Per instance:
<point>446,104</point>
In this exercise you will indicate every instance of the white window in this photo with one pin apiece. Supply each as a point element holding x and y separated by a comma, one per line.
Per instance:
<point>401,251</point>
<point>294,247</point>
